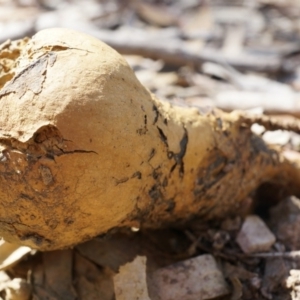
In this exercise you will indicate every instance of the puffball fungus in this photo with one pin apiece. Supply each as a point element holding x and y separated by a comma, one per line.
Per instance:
<point>85,148</point>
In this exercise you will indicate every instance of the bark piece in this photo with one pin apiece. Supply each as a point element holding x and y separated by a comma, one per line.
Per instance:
<point>111,251</point>
<point>92,282</point>
<point>58,267</point>
<point>255,236</point>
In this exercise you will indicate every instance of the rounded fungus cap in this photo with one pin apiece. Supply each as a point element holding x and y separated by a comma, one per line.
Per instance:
<point>67,133</point>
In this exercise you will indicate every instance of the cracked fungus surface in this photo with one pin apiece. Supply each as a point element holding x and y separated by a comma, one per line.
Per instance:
<point>55,114</point>
<point>86,148</point>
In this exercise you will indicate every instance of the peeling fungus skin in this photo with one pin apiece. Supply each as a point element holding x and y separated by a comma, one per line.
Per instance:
<point>85,148</point>
<point>9,53</point>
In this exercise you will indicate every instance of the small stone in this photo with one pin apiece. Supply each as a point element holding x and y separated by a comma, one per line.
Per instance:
<point>255,236</point>
<point>131,281</point>
<point>192,279</point>
<point>285,223</point>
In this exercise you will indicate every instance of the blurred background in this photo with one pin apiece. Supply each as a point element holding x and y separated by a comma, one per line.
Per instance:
<point>232,54</point>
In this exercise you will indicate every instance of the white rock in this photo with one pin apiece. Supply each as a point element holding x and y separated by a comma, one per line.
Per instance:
<point>192,279</point>
<point>130,283</point>
<point>255,236</point>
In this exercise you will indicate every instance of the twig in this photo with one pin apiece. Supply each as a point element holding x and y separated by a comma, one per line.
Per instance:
<point>271,123</point>
<point>175,51</point>
<point>291,254</point>
<point>196,242</point>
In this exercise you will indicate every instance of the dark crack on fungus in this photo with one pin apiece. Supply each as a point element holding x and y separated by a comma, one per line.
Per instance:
<point>76,151</point>
<point>163,137</point>
<point>151,155</point>
<point>137,175</point>
<point>46,142</point>
<point>180,155</point>
<point>154,108</point>
<point>154,193</point>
